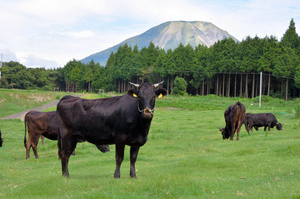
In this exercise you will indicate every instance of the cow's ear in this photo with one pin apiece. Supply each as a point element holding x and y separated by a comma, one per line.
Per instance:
<point>133,92</point>
<point>161,92</point>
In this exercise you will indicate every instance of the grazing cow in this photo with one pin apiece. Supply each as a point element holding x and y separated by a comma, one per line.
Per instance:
<point>261,120</point>
<point>234,117</point>
<point>1,139</point>
<point>121,120</point>
<point>42,124</point>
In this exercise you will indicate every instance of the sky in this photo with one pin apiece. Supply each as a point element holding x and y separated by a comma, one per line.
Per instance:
<point>50,33</point>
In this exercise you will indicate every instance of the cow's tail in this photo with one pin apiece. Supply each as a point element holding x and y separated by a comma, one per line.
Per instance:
<point>242,113</point>
<point>242,107</point>
<point>25,121</point>
<point>59,143</point>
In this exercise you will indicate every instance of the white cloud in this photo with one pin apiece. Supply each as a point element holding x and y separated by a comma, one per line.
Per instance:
<point>80,34</point>
<point>7,55</point>
<point>62,30</point>
<point>36,62</point>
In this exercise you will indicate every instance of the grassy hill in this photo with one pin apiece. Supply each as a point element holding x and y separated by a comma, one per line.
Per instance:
<point>185,157</point>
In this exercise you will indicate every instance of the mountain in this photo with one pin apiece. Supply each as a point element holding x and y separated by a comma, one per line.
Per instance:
<point>169,35</point>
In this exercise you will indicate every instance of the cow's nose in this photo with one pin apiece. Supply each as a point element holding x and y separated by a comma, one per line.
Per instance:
<point>148,113</point>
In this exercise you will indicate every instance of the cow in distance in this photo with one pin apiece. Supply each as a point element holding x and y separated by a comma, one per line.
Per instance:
<point>234,117</point>
<point>266,120</point>
<point>1,139</point>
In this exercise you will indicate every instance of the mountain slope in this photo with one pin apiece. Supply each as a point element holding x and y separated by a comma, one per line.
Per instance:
<point>168,36</point>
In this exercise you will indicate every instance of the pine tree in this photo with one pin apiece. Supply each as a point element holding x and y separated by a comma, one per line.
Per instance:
<point>291,38</point>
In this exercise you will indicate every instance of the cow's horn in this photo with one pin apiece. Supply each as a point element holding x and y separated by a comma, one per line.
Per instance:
<point>156,85</point>
<point>136,85</point>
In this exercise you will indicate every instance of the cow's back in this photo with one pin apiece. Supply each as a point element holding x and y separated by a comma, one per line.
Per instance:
<point>43,123</point>
<point>75,111</point>
<point>98,121</point>
<point>235,113</point>
<point>36,120</point>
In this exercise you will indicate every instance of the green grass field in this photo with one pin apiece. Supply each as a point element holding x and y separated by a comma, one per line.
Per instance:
<point>185,157</point>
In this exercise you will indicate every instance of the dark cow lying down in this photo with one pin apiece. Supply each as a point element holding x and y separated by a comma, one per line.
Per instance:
<point>1,139</point>
<point>261,120</point>
<point>234,117</point>
<point>121,120</point>
<point>42,124</point>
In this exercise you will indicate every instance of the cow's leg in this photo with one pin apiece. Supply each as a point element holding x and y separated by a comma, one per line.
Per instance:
<point>119,158</point>
<point>246,126</point>
<point>133,156</point>
<point>28,146</point>
<point>64,164</point>
<point>265,128</point>
<point>35,140</point>
<point>28,143</point>
<point>42,138</point>
<point>232,132</point>
<point>238,130</point>
<point>250,125</point>
<point>231,135</point>
<point>68,146</point>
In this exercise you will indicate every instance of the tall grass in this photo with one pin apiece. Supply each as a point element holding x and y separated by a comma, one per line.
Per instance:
<point>185,157</point>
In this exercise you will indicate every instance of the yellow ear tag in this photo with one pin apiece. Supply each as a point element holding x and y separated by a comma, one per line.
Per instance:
<point>134,95</point>
<point>160,96</point>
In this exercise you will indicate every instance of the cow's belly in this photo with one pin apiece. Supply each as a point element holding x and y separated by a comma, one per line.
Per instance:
<point>95,136</point>
<point>132,140</point>
<point>51,136</point>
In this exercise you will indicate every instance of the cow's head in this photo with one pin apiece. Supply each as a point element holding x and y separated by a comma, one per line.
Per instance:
<point>279,126</point>
<point>225,133</point>
<point>1,140</point>
<point>146,94</point>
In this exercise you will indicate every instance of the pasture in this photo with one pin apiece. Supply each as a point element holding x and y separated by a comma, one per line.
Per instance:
<point>185,157</point>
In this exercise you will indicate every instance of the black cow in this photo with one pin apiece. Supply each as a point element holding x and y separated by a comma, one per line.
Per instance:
<point>1,139</point>
<point>261,120</point>
<point>42,124</point>
<point>234,117</point>
<point>121,120</point>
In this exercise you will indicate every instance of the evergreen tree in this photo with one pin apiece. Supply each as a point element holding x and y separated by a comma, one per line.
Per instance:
<point>271,50</point>
<point>286,66</point>
<point>291,38</point>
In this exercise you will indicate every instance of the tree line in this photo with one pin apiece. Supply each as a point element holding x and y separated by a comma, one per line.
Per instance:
<point>227,68</point>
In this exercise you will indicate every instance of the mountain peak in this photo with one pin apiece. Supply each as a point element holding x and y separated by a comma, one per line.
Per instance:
<point>169,35</point>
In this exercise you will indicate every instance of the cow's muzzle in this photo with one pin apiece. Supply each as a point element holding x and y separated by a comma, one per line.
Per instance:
<point>147,113</point>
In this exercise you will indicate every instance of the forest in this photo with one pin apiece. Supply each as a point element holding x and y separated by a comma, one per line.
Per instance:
<point>227,68</point>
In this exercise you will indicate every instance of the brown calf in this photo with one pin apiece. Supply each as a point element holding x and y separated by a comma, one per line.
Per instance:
<point>39,123</point>
<point>44,124</point>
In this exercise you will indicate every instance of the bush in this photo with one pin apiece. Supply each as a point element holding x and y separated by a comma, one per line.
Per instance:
<point>264,98</point>
<point>179,86</point>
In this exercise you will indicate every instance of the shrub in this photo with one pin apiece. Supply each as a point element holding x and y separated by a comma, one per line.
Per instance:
<point>179,86</point>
